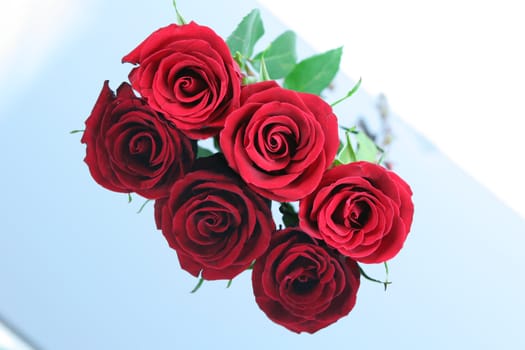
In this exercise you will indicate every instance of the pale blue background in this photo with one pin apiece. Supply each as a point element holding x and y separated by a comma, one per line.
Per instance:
<point>79,269</point>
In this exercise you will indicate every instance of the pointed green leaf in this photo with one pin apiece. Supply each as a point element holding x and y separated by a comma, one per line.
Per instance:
<point>247,33</point>
<point>180,19</point>
<point>346,154</point>
<point>366,148</point>
<point>263,71</point>
<point>143,206</point>
<point>280,57</point>
<point>199,284</point>
<point>315,73</point>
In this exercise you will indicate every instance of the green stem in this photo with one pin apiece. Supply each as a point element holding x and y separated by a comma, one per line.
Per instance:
<point>385,283</point>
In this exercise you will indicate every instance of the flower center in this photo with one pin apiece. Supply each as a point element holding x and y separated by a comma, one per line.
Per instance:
<point>189,86</point>
<point>141,147</point>
<point>306,280</point>
<point>214,223</point>
<point>357,214</point>
<point>278,140</point>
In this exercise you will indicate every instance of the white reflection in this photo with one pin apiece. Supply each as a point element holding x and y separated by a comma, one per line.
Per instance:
<point>31,31</point>
<point>10,341</point>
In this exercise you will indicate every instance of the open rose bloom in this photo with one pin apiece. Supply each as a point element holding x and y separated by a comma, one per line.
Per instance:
<point>132,148</point>
<point>280,141</point>
<point>274,142</point>
<point>361,209</point>
<point>214,221</point>
<point>303,284</point>
<point>188,74</point>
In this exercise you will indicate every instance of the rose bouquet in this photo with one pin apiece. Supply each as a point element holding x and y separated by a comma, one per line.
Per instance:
<point>215,135</point>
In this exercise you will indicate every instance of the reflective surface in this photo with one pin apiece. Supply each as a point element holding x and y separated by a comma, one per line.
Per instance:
<point>11,340</point>
<point>79,269</point>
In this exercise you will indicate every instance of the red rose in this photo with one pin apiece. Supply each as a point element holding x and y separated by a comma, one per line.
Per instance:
<point>361,209</point>
<point>303,285</point>
<point>130,148</point>
<point>280,141</point>
<point>187,73</point>
<point>214,221</point>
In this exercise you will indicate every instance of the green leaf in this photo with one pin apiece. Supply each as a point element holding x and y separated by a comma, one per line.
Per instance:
<point>315,73</point>
<point>366,148</point>
<point>203,152</point>
<point>346,154</point>
<point>349,94</point>
<point>229,283</point>
<point>180,19</point>
<point>280,57</point>
<point>76,131</point>
<point>129,198</point>
<point>263,71</point>
<point>247,33</point>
